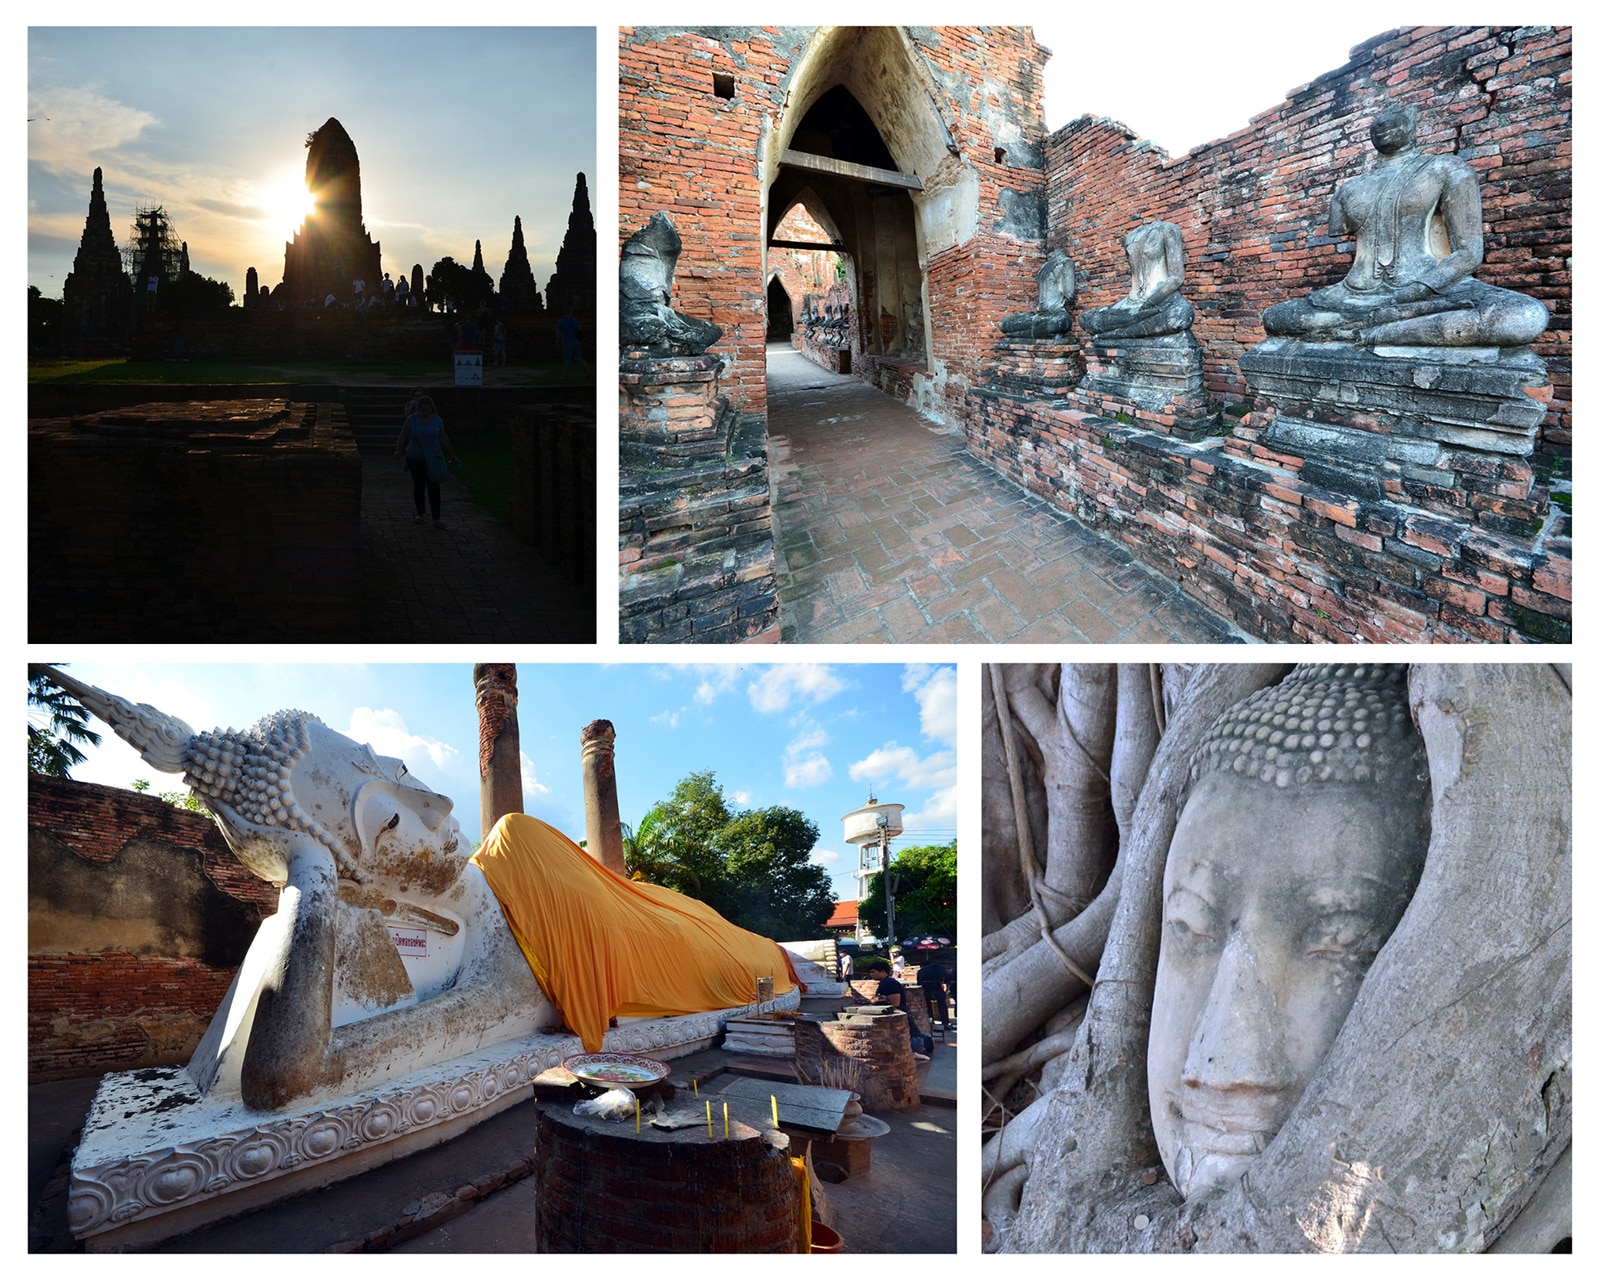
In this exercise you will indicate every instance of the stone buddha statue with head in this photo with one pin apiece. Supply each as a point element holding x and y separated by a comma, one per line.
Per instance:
<point>1153,308</point>
<point>1417,221</point>
<point>1295,856</point>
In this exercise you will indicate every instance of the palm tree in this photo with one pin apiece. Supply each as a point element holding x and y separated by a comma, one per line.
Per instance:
<point>57,722</point>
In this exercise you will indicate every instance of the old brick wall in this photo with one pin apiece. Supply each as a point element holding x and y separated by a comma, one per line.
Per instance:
<point>694,155</point>
<point>1231,520</point>
<point>553,486</point>
<point>235,520</point>
<point>138,917</point>
<point>1253,207</point>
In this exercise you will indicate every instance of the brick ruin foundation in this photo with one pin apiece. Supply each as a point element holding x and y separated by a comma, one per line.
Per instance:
<point>880,1042</point>
<point>601,1188</point>
<point>553,486</point>
<point>236,520</point>
<point>1221,487</point>
<point>138,916</point>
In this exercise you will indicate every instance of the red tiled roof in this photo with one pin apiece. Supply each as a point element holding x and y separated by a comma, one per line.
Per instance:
<point>843,917</point>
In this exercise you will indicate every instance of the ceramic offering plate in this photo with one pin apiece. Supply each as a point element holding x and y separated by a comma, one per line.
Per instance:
<point>617,1068</point>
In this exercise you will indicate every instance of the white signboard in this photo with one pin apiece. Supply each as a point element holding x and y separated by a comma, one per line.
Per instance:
<point>469,368</point>
<point>409,942</point>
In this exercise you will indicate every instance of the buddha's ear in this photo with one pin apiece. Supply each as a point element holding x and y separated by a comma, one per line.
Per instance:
<point>377,805</point>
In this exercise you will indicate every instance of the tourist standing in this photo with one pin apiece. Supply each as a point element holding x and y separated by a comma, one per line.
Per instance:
<point>425,445</point>
<point>571,342</point>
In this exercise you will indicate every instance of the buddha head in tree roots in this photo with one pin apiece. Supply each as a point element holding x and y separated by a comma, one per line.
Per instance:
<point>1295,856</point>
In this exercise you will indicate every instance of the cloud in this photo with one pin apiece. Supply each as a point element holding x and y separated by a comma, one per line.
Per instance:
<point>531,786</point>
<point>808,682</point>
<point>740,798</point>
<point>73,128</point>
<point>668,718</point>
<point>939,814</point>
<point>935,690</point>
<point>824,856</point>
<point>385,731</point>
<point>810,772</point>
<point>804,765</point>
<point>716,679</point>
<point>892,761</point>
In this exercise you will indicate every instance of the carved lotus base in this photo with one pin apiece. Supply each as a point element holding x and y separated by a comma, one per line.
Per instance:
<point>157,1160</point>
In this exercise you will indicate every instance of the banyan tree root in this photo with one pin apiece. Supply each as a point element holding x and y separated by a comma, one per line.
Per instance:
<point>1445,1101</point>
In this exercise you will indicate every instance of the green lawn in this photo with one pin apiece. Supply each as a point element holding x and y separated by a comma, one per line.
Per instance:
<point>485,466</point>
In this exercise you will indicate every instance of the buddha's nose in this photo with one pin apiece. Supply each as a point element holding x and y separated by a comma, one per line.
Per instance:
<point>1238,1040</point>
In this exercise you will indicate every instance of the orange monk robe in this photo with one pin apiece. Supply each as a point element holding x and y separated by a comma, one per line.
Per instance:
<point>604,947</point>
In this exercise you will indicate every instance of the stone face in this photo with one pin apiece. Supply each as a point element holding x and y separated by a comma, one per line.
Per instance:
<point>1058,289</point>
<point>97,296</point>
<point>519,295</point>
<point>648,324</point>
<point>1295,856</point>
<point>1417,220</point>
<point>332,249</point>
<point>574,284</point>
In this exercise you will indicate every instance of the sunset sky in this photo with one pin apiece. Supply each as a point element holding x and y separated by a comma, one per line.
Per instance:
<point>459,130</point>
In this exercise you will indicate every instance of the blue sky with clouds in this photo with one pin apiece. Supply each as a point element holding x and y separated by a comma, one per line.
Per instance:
<point>812,736</point>
<point>459,130</point>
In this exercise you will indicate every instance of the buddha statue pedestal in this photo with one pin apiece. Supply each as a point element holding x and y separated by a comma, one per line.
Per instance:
<point>1037,367</point>
<point>1154,381</point>
<point>697,559</point>
<point>158,1159</point>
<point>1444,428</point>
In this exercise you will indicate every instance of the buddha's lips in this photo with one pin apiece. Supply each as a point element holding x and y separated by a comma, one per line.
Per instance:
<point>1239,1125</point>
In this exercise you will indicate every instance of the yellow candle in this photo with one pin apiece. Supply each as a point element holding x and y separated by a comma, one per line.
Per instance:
<point>774,1111</point>
<point>636,1115</point>
<point>696,1085</point>
<point>710,1133</point>
<point>724,1119</point>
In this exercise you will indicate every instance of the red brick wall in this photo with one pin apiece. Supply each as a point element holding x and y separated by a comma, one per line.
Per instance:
<point>1253,206</point>
<point>93,1013</point>
<point>693,155</point>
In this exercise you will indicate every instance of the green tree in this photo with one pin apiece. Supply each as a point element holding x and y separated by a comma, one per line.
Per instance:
<point>752,866</point>
<point>777,890</point>
<point>57,723</point>
<point>193,294</point>
<point>924,893</point>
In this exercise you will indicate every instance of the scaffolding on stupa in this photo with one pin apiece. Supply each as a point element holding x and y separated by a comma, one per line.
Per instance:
<point>154,256</point>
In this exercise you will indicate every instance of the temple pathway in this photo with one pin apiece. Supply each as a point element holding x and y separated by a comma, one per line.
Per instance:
<point>889,531</point>
<point>473,580</point>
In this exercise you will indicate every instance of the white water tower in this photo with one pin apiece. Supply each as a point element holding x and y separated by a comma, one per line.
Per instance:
<point>870,829</point>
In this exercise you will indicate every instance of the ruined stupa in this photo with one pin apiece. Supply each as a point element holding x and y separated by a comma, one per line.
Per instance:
<point>332,249</point>
<point>519,293</point>
<point>97,295</point>
<point>573,284</point>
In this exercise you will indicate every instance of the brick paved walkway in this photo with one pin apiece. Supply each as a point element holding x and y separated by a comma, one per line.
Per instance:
<point>473,580</point>
<point>888,531</point>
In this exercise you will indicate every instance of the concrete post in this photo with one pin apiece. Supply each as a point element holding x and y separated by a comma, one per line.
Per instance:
<point>602,819</point>
<point>499,743</point>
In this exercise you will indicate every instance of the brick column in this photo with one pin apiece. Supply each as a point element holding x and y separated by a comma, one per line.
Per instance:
<point>602,820</point>
<point>499,743</point>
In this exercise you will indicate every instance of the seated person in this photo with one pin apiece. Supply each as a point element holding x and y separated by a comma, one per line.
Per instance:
<point>1153,307</point>
<point>893,994</point>
<point>1417,220</point>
